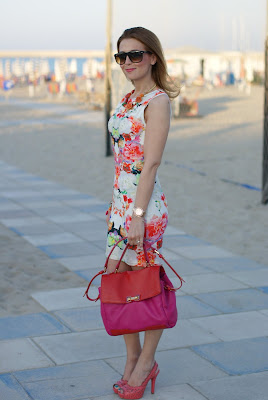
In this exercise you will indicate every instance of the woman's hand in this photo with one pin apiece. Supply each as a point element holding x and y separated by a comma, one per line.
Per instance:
<point>136,232</point>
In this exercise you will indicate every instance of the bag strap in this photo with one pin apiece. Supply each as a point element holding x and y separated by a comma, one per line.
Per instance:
<point>105,268</point>
<point>180,278</point>
<point>118,264</point>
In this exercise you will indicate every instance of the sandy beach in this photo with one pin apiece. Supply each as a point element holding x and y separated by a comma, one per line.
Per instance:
<point>205,161</point>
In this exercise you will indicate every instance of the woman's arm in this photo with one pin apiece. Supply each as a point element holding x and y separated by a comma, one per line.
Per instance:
<point>157,127</point>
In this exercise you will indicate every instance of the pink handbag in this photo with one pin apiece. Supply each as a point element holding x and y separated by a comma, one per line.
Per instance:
<point>136,301</point>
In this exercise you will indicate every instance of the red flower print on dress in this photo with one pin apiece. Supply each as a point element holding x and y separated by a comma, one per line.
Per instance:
<point>156,226</point>
<point>127,167</point>
<point>163,198</point>
<point>129,105</point>
<point>128,221</point>
<point>132,151</point>
<point>142,260</point>
<point>136,125</point>
<point>127,136</point>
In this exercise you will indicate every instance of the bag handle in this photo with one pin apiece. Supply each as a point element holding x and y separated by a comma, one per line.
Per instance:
<point>105,268</point>
<point>180,278</point>
<point>118,264</point>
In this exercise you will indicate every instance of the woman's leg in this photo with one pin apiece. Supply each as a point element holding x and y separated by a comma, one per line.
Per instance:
<point>132,340</point>
<point>133,346</point>
<point>146,360</point>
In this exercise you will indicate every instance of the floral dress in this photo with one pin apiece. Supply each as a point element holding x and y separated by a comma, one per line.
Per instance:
<point>127,129</point>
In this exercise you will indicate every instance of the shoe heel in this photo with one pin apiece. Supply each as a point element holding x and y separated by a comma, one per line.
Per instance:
<point>153,382</point>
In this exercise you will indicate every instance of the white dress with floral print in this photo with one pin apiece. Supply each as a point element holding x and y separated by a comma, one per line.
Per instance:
<point>128,128</point>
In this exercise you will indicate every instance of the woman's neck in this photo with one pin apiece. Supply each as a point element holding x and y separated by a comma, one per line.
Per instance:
<point>143,87</point>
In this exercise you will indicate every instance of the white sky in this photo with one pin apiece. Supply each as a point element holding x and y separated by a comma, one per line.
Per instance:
<point>81,24</point>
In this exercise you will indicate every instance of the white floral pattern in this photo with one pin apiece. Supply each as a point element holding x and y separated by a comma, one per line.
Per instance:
<point>127,128</point>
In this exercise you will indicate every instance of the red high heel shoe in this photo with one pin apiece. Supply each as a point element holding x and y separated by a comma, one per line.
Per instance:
<point>119,384</point>
<point>136,392</point>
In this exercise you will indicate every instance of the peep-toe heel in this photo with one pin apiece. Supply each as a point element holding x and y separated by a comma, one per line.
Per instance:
<point>136,392</point>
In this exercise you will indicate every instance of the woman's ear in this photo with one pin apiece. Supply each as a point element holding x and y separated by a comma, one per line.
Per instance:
<point>153,59</point>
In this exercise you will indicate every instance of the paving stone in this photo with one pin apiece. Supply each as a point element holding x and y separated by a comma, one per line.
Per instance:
<point>88,274</point>
<point>185,267</point>
<point>83,346</point>
<point>50,211</point>
<point>79,217</point>
<point>82,319</point>
<point>41,229</point>
<point>175,241</point>
<point>57,238</point>
<point>81,248</point>
<point>252,278</point>
<point>17,222</point>
<point>15,194</point>
<point>72,388</point>
<point>171,230</point>
<point>85,227</point>
<point>94,236</point>
<point>9,206</point>
<point>65,298</point>
<point>264,289</point>
<point>101,244</point>
<point>83,262</point>
<point>237,357</point>
<point>32,205</point>
<point>170,255</point>
<point>74,381</point>
<point>185,334</point>
<point>73,370</point>
<point>94,208</point>
<point>236,300</point>
<point>22,213</point>
<point>83,202</point>
<point>229,264</point>
<point>190,307</point>
<point>246,387</point>
<point>176,392</point>
<point>18,354</point>
<point>210,283</point>
<point>235,326</point>
<point>30,325</point>
<point>37,197</point>
<point>197,252</point>
<point>59,189</point>
<point>64,197</point>
<point>10,389</point>
<point>36,201</point>
<point>176,366</point>
<point>264,312</point>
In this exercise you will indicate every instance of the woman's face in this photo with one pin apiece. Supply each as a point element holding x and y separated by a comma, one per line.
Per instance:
<point>136,71</point>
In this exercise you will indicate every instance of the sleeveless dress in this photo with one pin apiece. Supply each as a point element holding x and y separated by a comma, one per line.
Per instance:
<point>127,128</point>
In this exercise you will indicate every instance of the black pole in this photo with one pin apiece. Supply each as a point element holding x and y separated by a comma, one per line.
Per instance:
<point>108,74</point>
<point>265,131</point>
<point>107,111</point>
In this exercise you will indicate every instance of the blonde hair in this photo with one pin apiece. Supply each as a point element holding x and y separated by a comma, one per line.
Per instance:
<point>159,69</point>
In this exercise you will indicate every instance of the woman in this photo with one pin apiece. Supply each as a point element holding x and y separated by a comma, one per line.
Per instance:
<point>139,129</point>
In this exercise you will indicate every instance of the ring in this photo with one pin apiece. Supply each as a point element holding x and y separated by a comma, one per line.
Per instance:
<point>138,241</point>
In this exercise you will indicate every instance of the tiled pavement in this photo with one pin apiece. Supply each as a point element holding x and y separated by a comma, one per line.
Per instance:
<point>217,351</point>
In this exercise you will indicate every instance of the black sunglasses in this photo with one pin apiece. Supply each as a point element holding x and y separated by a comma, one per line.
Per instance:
<point>135,56</point>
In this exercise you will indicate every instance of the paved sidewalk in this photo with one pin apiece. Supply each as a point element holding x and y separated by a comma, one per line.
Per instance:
<point>217,351</point>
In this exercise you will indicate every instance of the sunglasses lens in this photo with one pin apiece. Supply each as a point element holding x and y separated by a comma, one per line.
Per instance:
<point>136,56</point>
<point>120,58</point>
